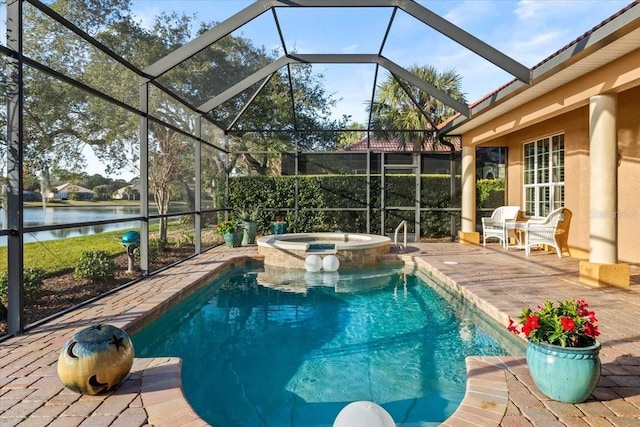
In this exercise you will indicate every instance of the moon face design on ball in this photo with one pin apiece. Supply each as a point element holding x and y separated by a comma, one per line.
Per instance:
<point>95,359</point>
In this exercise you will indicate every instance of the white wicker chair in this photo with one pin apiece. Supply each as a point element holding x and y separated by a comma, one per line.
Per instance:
<point>543,232</point>
<point>496,225</point>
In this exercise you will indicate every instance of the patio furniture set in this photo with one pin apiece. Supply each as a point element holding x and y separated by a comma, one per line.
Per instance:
<point>506,225</point>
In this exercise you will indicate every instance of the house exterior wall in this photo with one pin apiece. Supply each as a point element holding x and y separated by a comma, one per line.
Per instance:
<point>629,175</point>
<point>566,111</point>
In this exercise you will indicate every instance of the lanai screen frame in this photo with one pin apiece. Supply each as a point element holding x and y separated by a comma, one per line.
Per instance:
<point>148,77</point>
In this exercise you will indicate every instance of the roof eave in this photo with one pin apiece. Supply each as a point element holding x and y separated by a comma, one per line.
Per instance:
<point>618,25</point>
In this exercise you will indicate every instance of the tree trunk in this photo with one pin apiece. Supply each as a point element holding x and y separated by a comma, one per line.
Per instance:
<point>161,197</point>
<point>45,186</point>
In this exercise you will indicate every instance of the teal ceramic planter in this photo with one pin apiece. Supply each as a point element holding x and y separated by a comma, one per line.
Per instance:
<point>278,227</point>
<point>249,231</point>
<point>233,239</point>
<point>566,374</point>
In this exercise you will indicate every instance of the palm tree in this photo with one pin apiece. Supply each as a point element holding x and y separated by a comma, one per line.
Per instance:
<point>407,114</point>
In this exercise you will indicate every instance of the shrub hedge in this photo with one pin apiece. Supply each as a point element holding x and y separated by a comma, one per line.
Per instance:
<point>339,202</point>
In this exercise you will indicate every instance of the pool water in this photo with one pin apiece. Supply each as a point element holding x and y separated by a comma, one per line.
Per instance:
<point>257,355</point>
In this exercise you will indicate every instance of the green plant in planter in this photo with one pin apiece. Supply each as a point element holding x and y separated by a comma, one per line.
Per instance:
<point>567,324</point>
<point>248,214</point>
<point>230,231</point>
<point>225,227</point>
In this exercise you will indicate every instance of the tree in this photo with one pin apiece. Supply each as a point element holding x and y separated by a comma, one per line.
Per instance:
<point>272,112</point>
<point>54,112</point>
<point>408,117</point>
<point>352,136</point>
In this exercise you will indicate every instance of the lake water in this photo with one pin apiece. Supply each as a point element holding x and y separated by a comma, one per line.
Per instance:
<point>38,216</point>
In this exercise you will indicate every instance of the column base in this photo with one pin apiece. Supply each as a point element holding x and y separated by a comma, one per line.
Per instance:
<point>604,274</point>
<point>469,237</point>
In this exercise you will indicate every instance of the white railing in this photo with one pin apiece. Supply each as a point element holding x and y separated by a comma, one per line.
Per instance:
<point>402,247</point>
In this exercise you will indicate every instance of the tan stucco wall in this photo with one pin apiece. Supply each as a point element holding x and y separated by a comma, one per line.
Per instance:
<point>566,111</point>
<point>629,175</point>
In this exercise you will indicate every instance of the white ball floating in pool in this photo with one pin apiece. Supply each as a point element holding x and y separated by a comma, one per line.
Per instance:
<point>363,414</point>
<point>313,263</point>
<point>330,263</point>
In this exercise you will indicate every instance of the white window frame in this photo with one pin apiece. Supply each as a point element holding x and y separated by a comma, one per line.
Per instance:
<point>543,188</point>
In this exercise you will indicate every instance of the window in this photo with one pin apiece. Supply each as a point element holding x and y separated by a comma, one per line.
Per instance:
<point>491,162</point>
<point>544,175</point>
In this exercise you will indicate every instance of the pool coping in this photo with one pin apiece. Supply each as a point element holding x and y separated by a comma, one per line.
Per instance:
<point>292,241</point>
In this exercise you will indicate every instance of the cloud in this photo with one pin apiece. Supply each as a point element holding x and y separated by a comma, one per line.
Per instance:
<point>531,9</point>
<point>350,49</point>
<point>469,13</point>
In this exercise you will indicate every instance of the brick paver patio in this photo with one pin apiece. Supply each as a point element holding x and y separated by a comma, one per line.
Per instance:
<point>499,389</point>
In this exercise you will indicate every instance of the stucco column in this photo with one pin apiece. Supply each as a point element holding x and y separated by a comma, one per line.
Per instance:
<point>603,267</point>
<point>603,179</point>
<point>468,234</point>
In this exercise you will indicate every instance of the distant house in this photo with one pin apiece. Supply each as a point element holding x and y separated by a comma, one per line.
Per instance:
<point>128,192</point>
<point>31,196</point>
<point>72,191</point>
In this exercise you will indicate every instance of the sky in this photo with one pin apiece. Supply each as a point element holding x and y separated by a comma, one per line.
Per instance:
<point>528,31</point>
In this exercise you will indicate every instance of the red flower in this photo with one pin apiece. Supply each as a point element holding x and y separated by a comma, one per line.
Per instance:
<point>531,324</point>
<point>567,324</point>
<point>591,330</point>
<point>512,327</point>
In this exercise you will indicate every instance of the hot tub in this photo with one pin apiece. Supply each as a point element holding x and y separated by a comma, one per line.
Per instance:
<point>353,250</point>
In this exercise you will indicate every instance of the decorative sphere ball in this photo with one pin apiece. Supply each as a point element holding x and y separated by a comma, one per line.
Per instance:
<point>131,237</point>
<point>95,359</point>
<point>363,414</point>
<point>330,263</point>
<point>313,263</point>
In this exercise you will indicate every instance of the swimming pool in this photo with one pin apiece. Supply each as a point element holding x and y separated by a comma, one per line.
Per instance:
<point>257,355</point>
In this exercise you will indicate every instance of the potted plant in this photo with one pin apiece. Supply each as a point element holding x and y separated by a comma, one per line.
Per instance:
<point>248,221</point>
<point>563,352</point>
<point>278,225</point>
<point>230,232</point>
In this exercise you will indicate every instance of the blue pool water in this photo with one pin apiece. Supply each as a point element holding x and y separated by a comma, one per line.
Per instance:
<point>294,353</point>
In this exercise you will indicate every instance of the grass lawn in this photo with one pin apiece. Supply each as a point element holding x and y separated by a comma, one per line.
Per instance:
<point>61,255</point>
